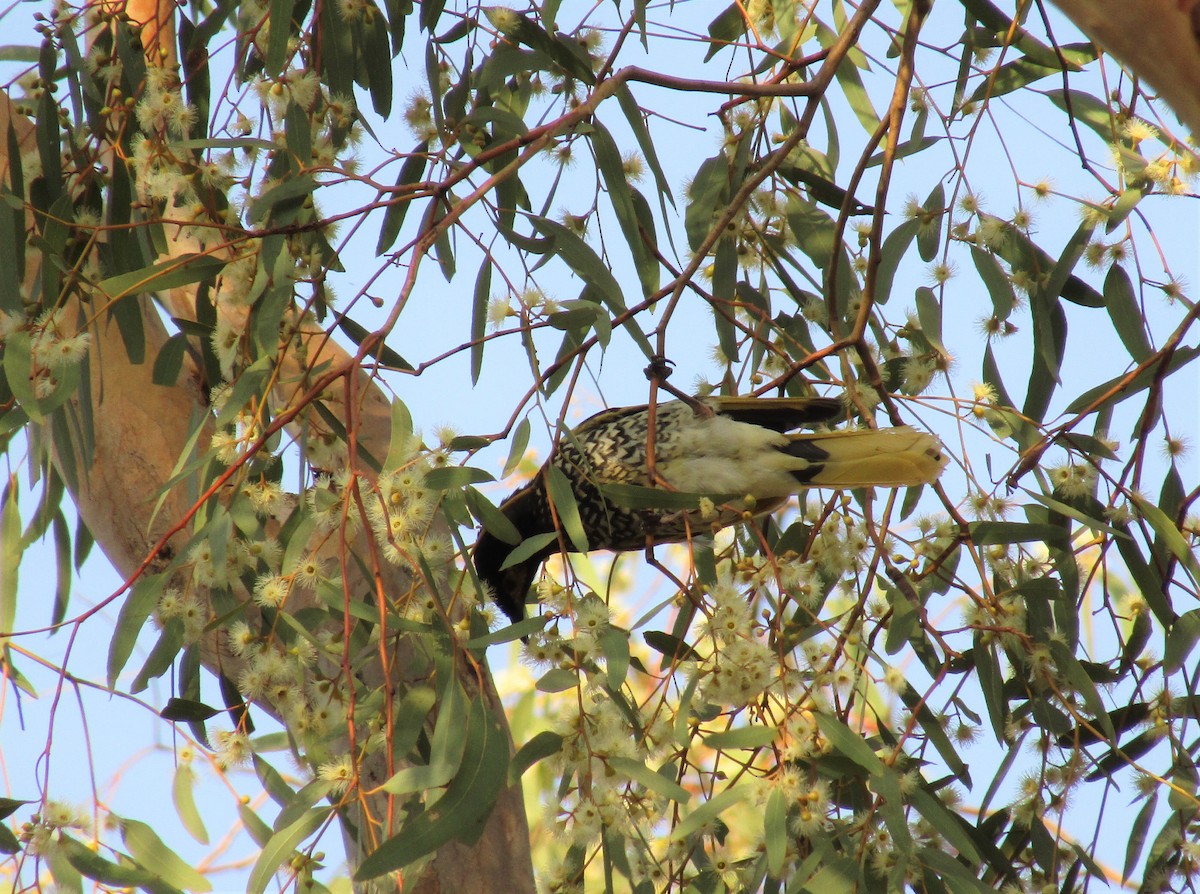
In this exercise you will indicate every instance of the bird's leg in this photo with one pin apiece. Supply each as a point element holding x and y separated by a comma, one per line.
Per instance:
<point>657,372</point>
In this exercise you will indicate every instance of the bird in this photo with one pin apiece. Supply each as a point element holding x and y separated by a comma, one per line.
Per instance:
<point>722,446</point>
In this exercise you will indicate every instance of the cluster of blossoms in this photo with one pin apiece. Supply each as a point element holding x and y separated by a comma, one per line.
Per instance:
<point>42,832</point>
<point>740,666</point>
<point>596,732</point>
<point>285,674</point>
<point>55,347</point>
<point>401,513</point>
<point>1171,171</point>
<point>734,668</point>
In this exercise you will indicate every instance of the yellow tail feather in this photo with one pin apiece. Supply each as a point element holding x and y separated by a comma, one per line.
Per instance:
<point>890,457</point>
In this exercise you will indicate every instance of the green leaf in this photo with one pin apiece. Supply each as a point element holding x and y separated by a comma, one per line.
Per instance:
<point>724,285</point>
<point>558,679</point>
<point>725,30</point>
<point>411,171</point>
<point>614,644</point>
<point>148,849</point>
<point>91,865</point>
<point>929,234</point>
<point>410,718</point>
<point>651,779</point>
<point>1123,207</point>
<point>169,362</point>
<point>635,496</point>
<point>530,546</point>
<point>707,193</point>
<point>856,94</point>
<point>775,832</point>
<point>1170,534</point>
<point>1137,834</point>
<point>281,845</point>
<point>1088,109</point>
<point>134,612</point>
<point>934,728</point>
<point>708,811</point>
<point>671,647</point>
<point>1012,76</point>
<point>850,744</point>
<point>280,16</point>
<point>479,317</point>
<point>1021,254</point>
<point>1049,345</point>
<point>1126,315</point>
<point>637,124</point>
<point>742,737</point>
<point>611,166</point>
<point>283,200</point>
<point>991,683</point>
<point>1071,512</point>
<point>11,550</point>
<point>516,450</point>
<point>183,795</point>
<point>890,257</point>
<point>18,367</point>
<point>814,230</point>
<point>947,824</point>
<point>1181,640</point>
<point>929,312</point>
<point>564,51</point>
<point>464,806</point>
<point>161,657</point>
<point>182,710</point>
<point>493,520</point>
<point>545,744</point>
<point>169,274</point>
<point>986,533</point>
<point>562,498</point>
<point>1078,677</point>
<point>452,477</point>
<point>1143,380</point>
<point>997,282</point>
<point>358,333</point>
<point>8,841</point>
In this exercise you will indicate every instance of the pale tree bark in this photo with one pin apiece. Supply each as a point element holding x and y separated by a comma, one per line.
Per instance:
<point>141,429</point>
<point>1156,39</point>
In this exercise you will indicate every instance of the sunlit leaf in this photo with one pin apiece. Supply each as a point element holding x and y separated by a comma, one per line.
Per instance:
<point>464,806</point>
<point>1125,313</point>
<point>183,795</point>
<point>281,845</point>
<point>1114,391</point>
<point>742,737</point>
<point>652,780</point>
<point>891,254</point>
<point>708,811</point>
<point>725,29</point>
<point>134,611</point>
<point>545,744</point>
<point>929,233</point>
<point>411,171</point>
<point>562,497</point>
<point>148,849</point>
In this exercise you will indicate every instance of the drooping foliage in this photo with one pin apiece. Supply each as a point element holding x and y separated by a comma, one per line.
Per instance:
<point>253,255</point>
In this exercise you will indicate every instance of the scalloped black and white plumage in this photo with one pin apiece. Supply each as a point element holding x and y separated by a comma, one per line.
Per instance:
<point>717,445</point>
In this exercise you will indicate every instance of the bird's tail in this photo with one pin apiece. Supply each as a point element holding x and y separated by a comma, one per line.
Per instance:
<point>890,457</point>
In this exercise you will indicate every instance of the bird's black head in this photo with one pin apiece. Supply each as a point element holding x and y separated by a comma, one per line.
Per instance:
<point>525,508</point>
<point>510,585</point>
